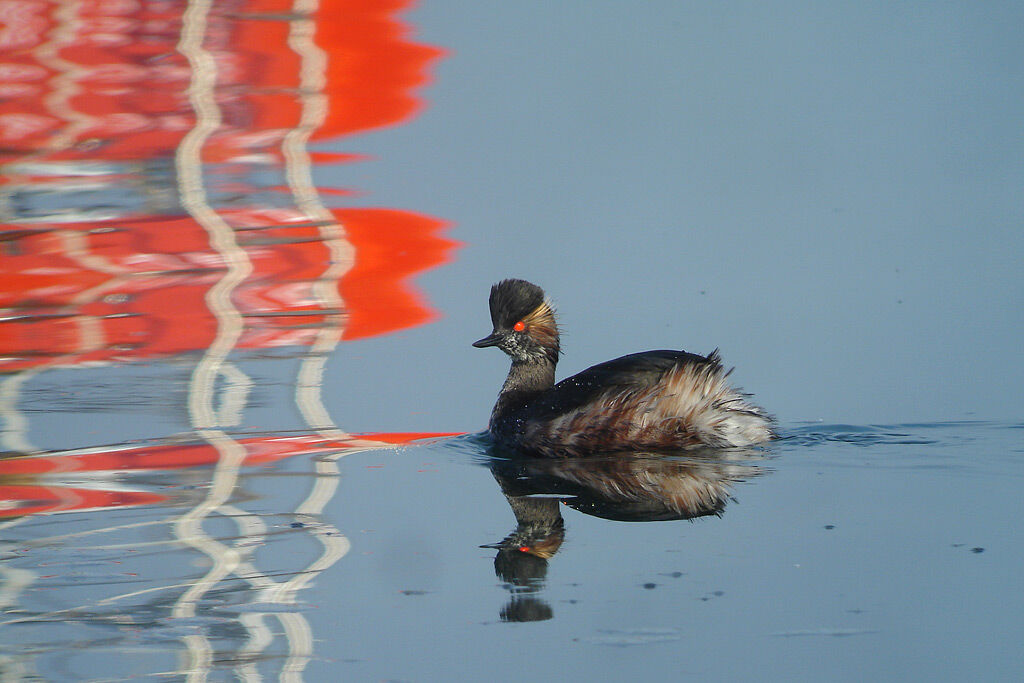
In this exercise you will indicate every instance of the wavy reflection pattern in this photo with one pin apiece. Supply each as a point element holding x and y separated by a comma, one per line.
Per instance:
<point>158,208</point>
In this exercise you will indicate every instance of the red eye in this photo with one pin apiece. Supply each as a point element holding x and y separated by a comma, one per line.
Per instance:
<point>519,326</point>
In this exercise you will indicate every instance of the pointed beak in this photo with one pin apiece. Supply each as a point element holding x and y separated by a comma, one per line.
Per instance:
<point>493,339</point>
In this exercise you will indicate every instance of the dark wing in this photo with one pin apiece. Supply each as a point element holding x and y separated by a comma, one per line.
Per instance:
<point>635,370</point>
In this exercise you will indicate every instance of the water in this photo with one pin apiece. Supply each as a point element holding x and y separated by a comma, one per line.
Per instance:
<point>244,250</point>
<point>840,552</point>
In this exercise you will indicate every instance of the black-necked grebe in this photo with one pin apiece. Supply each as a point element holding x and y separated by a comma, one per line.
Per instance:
<point>654,400</point>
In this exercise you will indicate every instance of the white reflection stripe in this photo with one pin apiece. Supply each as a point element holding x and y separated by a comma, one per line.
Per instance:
<point>188,163</point>
<point>299,176</point>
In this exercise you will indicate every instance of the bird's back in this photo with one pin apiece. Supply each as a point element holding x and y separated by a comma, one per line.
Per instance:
<point>656,400</point>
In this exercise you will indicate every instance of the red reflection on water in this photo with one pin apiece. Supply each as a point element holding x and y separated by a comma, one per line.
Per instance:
<point>32,484</point>
<point>97,95</point>
<point>258,451</point>
<point>156,199</point>
<point>77,76</point>
<point>137,288</point>
<point>17,500</point>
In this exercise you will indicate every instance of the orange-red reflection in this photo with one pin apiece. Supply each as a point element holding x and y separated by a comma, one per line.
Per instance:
<point>34,483</point>
<point>157,199</point>
<point>136,288</point>
<point>105,78</point>
<point>101,95</point>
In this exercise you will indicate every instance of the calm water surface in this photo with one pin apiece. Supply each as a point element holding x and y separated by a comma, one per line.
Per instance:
<point>242,261</point>
<point>840,552</point>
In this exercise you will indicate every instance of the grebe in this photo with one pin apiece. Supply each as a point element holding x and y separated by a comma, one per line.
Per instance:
<point>654,400</point>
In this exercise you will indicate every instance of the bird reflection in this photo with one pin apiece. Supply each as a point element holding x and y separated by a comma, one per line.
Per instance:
<point>625,487</point>
<point>522,559</point>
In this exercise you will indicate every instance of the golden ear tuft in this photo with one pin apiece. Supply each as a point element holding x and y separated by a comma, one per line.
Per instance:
<point>541,325</point>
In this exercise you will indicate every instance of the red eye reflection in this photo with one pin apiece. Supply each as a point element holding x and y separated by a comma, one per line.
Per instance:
<point>519,326</point>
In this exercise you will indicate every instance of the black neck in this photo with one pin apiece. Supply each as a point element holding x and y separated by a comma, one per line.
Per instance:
<point>525,380</point>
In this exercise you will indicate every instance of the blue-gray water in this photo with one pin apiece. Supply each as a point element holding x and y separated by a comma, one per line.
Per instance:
<point>199,480</point>
<point>847,552</point>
